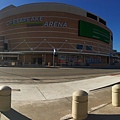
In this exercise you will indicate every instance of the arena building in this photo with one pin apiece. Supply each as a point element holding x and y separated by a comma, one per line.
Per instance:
<point>54,33</point>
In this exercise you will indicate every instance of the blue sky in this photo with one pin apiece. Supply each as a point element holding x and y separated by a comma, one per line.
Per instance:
<point>109,10</point>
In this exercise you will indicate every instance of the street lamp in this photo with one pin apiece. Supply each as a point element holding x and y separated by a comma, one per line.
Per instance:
<point>54,55</point>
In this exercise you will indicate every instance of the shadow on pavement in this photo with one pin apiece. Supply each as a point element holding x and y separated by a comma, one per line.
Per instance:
<point>14,115</point>
<point>103,117</point>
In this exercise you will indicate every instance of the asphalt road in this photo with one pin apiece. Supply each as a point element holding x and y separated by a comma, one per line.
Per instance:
<point>51,72</point>
<point>48,75</point>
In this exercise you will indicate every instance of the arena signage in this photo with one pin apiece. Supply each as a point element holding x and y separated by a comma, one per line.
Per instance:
<point>24,20</point>
<point>56,24</point>
<point>36,21</point>
<point>90,30</point>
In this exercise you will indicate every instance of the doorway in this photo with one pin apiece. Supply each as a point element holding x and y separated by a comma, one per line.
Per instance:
<point>37,60</point>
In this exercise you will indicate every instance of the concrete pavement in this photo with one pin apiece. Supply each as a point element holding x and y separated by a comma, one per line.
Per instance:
<point>37,91</point>
<point>52,101</point>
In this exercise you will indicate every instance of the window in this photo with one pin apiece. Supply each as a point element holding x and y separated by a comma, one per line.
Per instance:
<point>111,37</point>
<point>102,21</point>
<point>88,47</point>
<point>80,47</point>
<point>13,58</point>
<point>1,37</point>
<point>5,46</point>
<point>91,16</point>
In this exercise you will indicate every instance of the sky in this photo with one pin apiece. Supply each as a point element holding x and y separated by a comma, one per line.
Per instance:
<point>109,10</point>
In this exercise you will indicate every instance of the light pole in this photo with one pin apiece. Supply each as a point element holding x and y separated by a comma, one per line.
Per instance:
<point>54,54</point>
<point>53,58</point>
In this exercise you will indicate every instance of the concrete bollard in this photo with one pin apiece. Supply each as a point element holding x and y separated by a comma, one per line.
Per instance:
<point>13,63</point>
<point>5,98</point>
<point>43,64</point>
<point>80,105</point>
<point>55,64</point>
<point>49,64</point>
<point>116,95</point>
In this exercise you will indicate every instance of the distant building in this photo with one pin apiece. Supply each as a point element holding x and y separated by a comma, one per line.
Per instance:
<point>116,58</point>
<point>34,33</point>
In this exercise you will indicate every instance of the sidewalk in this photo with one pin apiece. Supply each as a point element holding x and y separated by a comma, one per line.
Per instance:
<point>33,92</point>
<point>53,101</point>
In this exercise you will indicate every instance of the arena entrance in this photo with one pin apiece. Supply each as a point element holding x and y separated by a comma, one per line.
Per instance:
<point>37,60</point>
